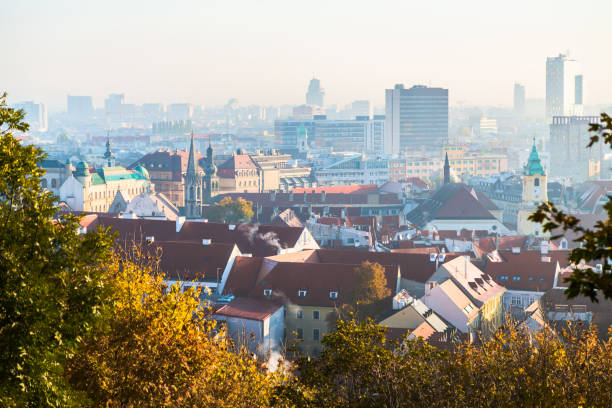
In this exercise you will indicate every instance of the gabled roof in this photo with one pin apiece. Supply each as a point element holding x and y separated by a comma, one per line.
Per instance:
<point>350,189</point>
<point>286,279</point>
<point>250,238</point>
<point>242,276</point>
<point>188,261</point>
<point>453,201</point>
<point>478,286</point>
<point>249,308</point>
<point>174,161</point>
<point>488,244</point>
<point>238,162</point>
<point>459,299</point>
<point>527,270</point>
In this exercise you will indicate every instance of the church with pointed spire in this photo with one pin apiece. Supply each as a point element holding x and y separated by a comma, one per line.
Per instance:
<point>193,186</point>
<point>535,191</point>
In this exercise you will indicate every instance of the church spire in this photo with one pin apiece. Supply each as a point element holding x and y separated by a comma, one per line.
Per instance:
<point>108,154</point>
<point>534,165</point>
<point>191,162</point>
<point>446,170</point>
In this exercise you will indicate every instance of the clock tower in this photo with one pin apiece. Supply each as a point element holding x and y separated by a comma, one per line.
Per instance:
<point>535,192</point>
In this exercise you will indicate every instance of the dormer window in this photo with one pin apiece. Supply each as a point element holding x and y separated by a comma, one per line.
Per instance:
<point>333,295</point>
<point>301,293</point>
<point>267,292</point>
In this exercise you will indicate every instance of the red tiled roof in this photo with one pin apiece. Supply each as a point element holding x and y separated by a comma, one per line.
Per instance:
<point>329,221</point>
<point>284,200</point>
<point>532,268</point>
<point>250,238</point>
<point>351,189</point>
<point>423,330</point>
<point>451,201</point>
<point>189,260</point>
<point>249,308</point>
<point>413,266</point>
<point>285,279</point>
<point>242,276</point>
<point>238,162</point>
<point>487,244</point>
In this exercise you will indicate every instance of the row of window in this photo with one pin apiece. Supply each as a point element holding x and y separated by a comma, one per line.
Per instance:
<point>518,278</point>
<point>316,315</point>
<point>303,293</point>
<point>53,183</point>
<point>316,334</point>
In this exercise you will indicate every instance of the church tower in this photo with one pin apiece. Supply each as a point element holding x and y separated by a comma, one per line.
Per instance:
<point>193,186</point>
<point>211,180</point>
<point>447,179</point>
<point>535,192</point>
<point>109,156</point>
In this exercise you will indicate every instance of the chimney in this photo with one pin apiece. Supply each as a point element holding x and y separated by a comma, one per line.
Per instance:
<point>179,223</point>
<point>323,194</point>
<point>429,286</point>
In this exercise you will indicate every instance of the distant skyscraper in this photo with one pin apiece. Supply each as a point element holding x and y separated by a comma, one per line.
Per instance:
<point>180,111</point>
<point>568,157</point>
<point>519,99</point>
<point>415,117</point>
<point>563,87</point>
<point>36,115</point>
<point>315,93</point>
<point>113,107</point>
<point>80,107</point>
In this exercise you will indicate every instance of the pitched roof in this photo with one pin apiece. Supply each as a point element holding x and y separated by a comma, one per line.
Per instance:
<point>174,161</point>
<point>527,270</point>
<point>478,286</point>
<point>456,295</point>
<point>487,244</point>
<point>286,279</point>
<point>250,238</point>
<point>243,275</point>
<point>192,261</point>
<point>350,189</point>
<point>238,162</point>
<point>423,330</point>
<point>451,201</point>
<point>249,308</point>
<point>413,266</point>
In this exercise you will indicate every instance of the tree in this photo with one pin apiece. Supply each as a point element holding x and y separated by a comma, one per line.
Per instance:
<point>596,242</point>
<point>52,280</point>
<point>161,349</point>
<point>358,367</point>
<point>230,211</point>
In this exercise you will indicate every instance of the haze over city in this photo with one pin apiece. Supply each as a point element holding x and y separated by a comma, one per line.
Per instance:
<point>263,52</point>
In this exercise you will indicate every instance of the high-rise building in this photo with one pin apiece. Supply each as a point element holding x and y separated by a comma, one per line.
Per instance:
<point>36,115</point>
<point>415,118</point>
<point>360,135</point>
<point>80,107</point>
<point>180,111</point>
<point>113,107</point>
<point>569,157</point>
<point>563,87</point>
<point>288,134</point>
<point>519,99</point>
<point>315,93</point>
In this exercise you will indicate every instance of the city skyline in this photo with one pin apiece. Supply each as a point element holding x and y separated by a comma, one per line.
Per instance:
<point>265,53</point>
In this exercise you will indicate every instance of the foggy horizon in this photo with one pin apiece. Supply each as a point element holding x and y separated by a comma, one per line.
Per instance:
<point>265,53</point>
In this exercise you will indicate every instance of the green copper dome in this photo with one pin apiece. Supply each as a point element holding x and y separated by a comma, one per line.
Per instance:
<point>534,166</point>
<point>144,172</point>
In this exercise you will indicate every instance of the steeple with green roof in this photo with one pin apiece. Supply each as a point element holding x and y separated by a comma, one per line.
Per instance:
<point>534,166</point>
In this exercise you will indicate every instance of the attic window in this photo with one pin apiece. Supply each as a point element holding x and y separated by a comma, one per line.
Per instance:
<point>516,278</point>
<point>267,292</point>
<point>301,293</point>
<point>531,278</point>
<point>468,308</point>
<point>333,295</point>
<point>503,277</point>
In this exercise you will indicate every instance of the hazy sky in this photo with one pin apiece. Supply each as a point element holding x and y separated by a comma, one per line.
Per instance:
<point>266,51</point>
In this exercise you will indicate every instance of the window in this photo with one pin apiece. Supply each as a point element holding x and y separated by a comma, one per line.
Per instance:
<point>516,278</point>
<point>333,295</point>
<point>44,183</point>
<point>300,334</point>
<point>316,334</point>
<point>315,315</point>
<point>299,314</point>
<point>267,292</point>
<point>53,183</point>
<point>301,293</point>
<point>536,182</point>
